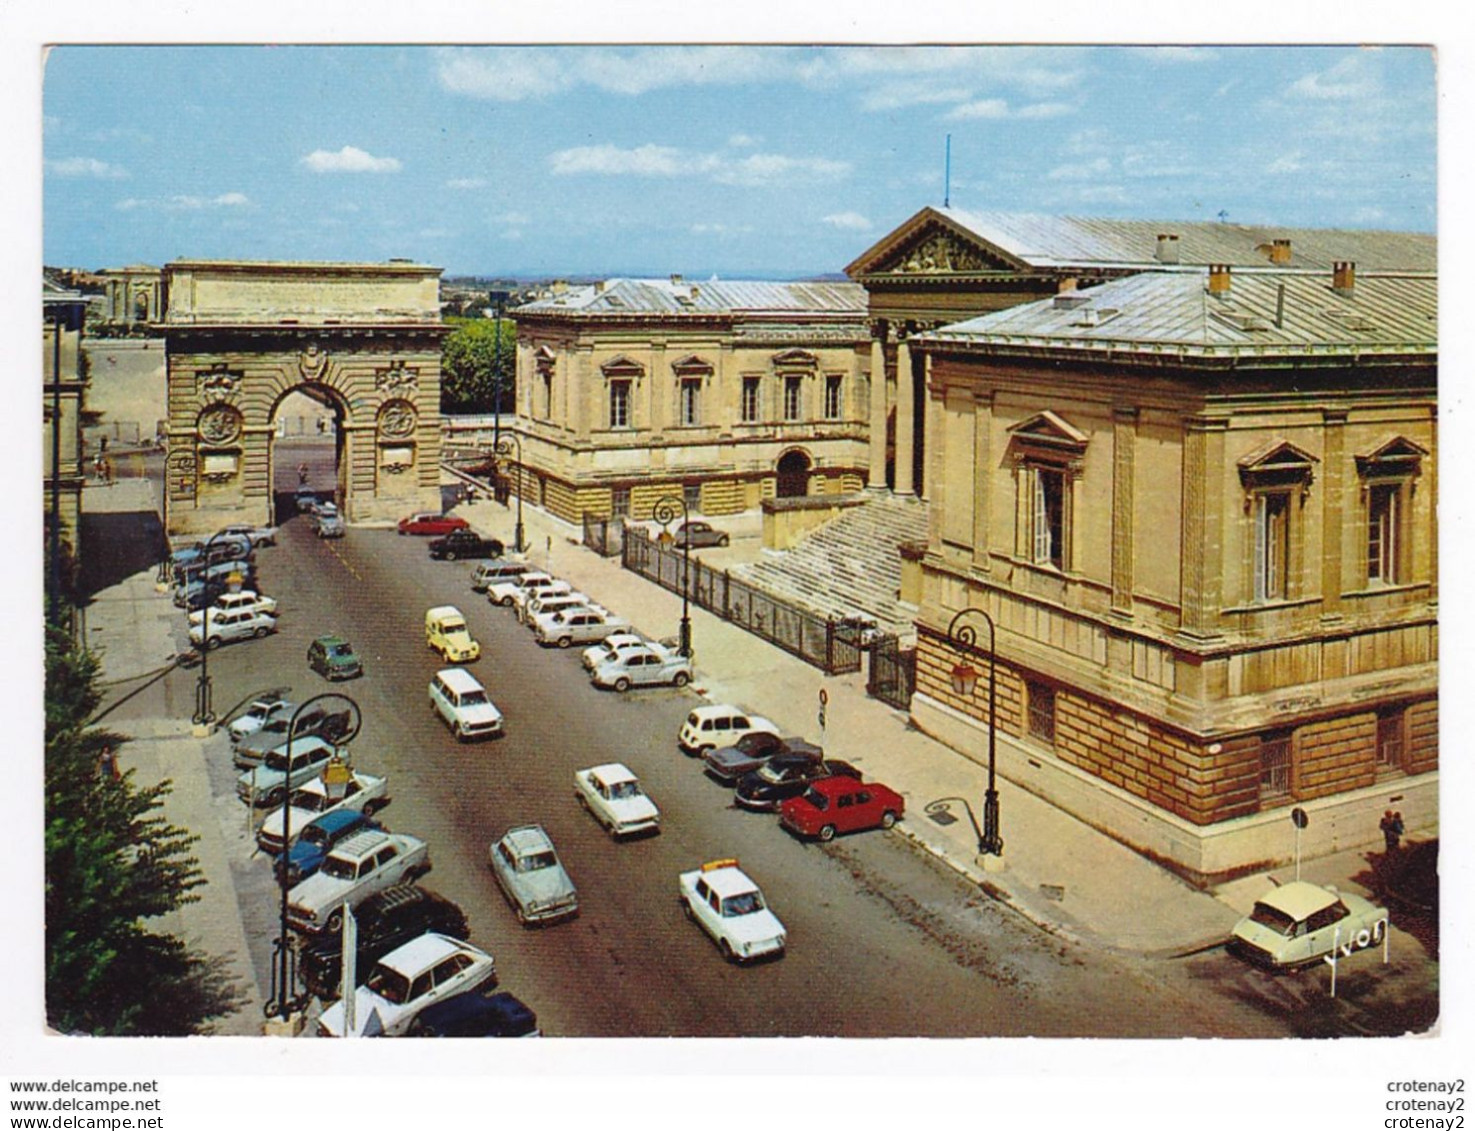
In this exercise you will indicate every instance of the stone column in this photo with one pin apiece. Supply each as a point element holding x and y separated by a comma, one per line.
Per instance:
<point>905,415</point>
<point>1201,570</point>
<point>983,480</point>
<point>1123,506</point>
<point>1333,503</point>
<point>877,476</point>
<point>932,468</point>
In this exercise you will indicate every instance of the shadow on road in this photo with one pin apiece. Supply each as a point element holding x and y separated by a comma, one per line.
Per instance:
<point>118,544</point>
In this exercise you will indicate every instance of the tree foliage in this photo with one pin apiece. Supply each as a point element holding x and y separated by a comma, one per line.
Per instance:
<point>113,863</point>
<point>472,359</point>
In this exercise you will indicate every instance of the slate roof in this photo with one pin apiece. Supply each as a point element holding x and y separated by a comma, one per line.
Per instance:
<point>1174,313</point>
<point>709,297</point>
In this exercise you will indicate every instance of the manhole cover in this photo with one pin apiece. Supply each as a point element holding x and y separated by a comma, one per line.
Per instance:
<point>943,817</point>
<point>1053,891</point>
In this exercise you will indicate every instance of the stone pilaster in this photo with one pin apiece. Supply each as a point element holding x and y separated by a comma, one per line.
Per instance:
<point>1123,506</point>
<point>1201,580</point>
<point>878,412</point>
<point>906,410</point>
<point>1333,505</point>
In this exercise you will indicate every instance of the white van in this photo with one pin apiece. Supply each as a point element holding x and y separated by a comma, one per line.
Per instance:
<point>720,724</point>
<point>458,698</point>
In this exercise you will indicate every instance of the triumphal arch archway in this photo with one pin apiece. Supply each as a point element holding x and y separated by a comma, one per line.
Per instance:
<point>363,339</point>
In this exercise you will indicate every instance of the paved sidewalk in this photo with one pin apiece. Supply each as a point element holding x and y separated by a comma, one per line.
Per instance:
<point>1066,877</point>
<point>138,632</point>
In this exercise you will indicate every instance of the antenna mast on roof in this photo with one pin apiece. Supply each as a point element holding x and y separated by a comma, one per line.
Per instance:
<point>947,173</point>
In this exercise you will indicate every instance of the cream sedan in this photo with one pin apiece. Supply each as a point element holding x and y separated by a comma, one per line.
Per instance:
<point>612,796</point>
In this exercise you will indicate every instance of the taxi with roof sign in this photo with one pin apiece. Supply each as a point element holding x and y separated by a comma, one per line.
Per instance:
<point>730,907</point>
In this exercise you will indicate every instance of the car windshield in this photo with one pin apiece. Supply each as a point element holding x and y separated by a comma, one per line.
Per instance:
<point>744,903</point>
<point>771,773</point>
<point>276,760</point>
<point>339,869</point>
<point>340,650</point>
<point>536,862</point>
<point>473,698</point>
<point>315,834</point>
<point>1273,918</point>
<point>622,789</point>
<point>307,799</point>
<point>450,626</point>
<point>389,984</point>
<point>817,799</point>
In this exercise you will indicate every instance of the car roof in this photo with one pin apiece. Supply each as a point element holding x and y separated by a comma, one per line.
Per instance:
<point>1299,898</point>
<point>729,881</point>
<point>612,772</point>
<point>509,1012</point>
<point>717,710</point>
<point>440,612</point>
<point>330,639</point>
<point>837,783</point>
<point>459,679</point>
<point>528,838</point>
<point>417,954</point>
<point>338,818</point>
<point>361,844</point>
<point>301,742</point>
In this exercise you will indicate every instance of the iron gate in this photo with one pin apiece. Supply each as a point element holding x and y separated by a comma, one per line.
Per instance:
<point>893,674</point>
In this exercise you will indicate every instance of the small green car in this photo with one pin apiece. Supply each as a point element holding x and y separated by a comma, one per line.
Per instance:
<point>332,657</point>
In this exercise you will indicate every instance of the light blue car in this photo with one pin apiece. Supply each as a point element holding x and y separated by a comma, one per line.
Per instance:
<point>531,876</point>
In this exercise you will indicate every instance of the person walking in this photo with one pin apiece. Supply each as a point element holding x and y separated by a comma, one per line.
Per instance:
<point>107,765</point>
<point>1392,828</point>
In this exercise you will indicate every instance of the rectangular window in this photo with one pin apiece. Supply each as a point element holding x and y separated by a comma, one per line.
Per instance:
<point>1272,545</point>
<point>619,504</point>
<point>619,404</point>
<point>793,390</point>
<point>1390,741</point>
<point>691,401</point>
<point>1275,766</point>
<point>1048,517</point>
<point>547,412</point>
<point>1041,712</point>
<point>833,405</point>
<point>750,400</point>
<point>691,495</point>
<point>1383,505</point>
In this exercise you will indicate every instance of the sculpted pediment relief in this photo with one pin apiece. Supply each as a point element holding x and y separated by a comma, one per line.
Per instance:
<point>938,252</point>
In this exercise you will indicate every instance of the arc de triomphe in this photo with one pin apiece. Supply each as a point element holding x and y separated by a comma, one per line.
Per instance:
<point>362,338</point>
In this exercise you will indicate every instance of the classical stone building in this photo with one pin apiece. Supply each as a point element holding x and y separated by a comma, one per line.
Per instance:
<point>945,265</point>
<point>134,296</point>
<point>1200,507</point>
<point>725,393</point>
<point>63,402</point>
<point>363,339</point>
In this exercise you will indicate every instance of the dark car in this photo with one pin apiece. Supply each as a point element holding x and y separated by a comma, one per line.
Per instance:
<point>699,535</point>
<point>786,776</point>
<point>199,594</point>
<point>428,522</point>
<point>225,547</point>
<point>332,657</point>
<point>465,544</point>
<point>317,840</point>
<point>315,721</point>
<point>729,763</point>
<point>476,1014</point>
<point>386,921</point>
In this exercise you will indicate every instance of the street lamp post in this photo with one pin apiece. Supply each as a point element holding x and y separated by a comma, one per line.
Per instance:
<point>340,736</point>
<point>965,678</point>
<point>204,714</point>
<point>663,512</point>
<point>502,449</point>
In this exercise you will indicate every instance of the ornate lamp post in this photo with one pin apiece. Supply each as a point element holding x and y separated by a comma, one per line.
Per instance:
<point>663,512</point>
<point>340,735</point>
<point>965,678</point>
<point>204,715</point>
<point>503,449</point>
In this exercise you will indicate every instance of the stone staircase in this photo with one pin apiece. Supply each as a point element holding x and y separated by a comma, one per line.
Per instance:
<point>850,565</point>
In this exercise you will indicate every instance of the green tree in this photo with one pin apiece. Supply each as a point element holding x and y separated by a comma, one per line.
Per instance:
<point>112,864</point>
<point>475,354</point>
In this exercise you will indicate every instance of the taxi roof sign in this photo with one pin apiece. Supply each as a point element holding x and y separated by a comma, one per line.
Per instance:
<point>713,865</point>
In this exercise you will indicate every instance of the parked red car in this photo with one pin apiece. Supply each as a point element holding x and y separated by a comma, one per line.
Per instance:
<point>428,522</point>
<point>841,805</point>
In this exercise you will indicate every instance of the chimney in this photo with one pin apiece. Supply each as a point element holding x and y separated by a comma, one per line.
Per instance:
<point>1280,251</point>
<point>1167,247</point>
<point>695,291</point>
<point>560,286</point>
<point>676,280</point>
<point>599,286</point>
<point>1344,275</point>
<point>1219,279</point>
<point>1067,284</point>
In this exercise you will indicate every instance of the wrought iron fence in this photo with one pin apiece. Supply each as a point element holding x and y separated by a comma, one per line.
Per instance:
<point>820,641</point>
<point>893,673</point>
<point>604,536</point>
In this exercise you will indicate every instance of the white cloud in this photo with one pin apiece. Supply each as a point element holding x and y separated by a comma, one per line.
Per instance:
<point>1177,54</point>
<point>86,167</point>
<point>987,108</point>
<point>666,161</point>
<point>230,199</point>
<point>1353,77</point>
<point>1286,163</point>
<point>1038,110</point>
<point>896,95</point>
<point>183,202</point>
<point>742,141</point>
<point>720,229</point>
<point>848,221</point>
<point>349,159</point>
<point>1082,171</point>
<point>466,183</point>
<point>517,73</point>
<point>514,219</point>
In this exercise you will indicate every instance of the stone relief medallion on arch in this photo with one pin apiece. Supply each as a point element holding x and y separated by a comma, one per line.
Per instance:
<point>219,424</point>
<point>397,380</point>
<point>312,362</point>
<point>397,419</point>
<point>217,383</point>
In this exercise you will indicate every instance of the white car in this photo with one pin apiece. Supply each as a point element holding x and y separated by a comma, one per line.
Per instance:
<point>578,625</point>
<point>505,591</point>
<point>531,876</point>
<point>1300,923</point>
<point>557,603</point>
<point>613,796</point>
<point>459,698</point>
<point>366,792</point>
<point>247,600</point>
<point>258,535</point>
<point>525,596</point>
<point>719,724</point>
<point>424,971</point>
<point>730,907</point>
<point>610,646</point>
<point>257,715</point>
<point>270,782</point>
<point>358,867</point>
<point>227,627</point>
<point>642,667</point>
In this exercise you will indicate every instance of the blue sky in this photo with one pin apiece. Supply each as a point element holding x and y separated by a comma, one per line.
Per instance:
<point>760,161</point>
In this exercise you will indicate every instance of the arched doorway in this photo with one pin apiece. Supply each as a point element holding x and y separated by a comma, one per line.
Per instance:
<point>793,475</point>
<point>304,449</point>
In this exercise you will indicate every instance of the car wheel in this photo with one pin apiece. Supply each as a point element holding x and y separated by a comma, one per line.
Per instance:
<point>622,684</point>
<point>506,602</point>
<point>888,819</point>
<point>213,643</point>
<point>681,679</point>
<point>450,555</point>
<point>401,533</point>
<point>722,541</point>
<point>727,952</point>
<point>827,833</point>
<point>702,751</point>
<point>522,916</point>
<point>564,641</point>
<point>262,631</point>
<point>335,922</point>
<point>459,733</point>
<point>687,911</point>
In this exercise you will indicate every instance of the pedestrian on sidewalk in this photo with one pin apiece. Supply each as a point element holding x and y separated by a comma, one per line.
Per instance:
<point>107,765</point>
<point>1392,826</point>
<point>107,471</point>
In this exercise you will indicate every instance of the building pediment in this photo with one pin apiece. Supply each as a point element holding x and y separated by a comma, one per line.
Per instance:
<point>622,366</point>
<point>692,365</point>
<point>932,243</point>
<point>1396,456</point>
<point>795,359</point>
<point>1048,430</point>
